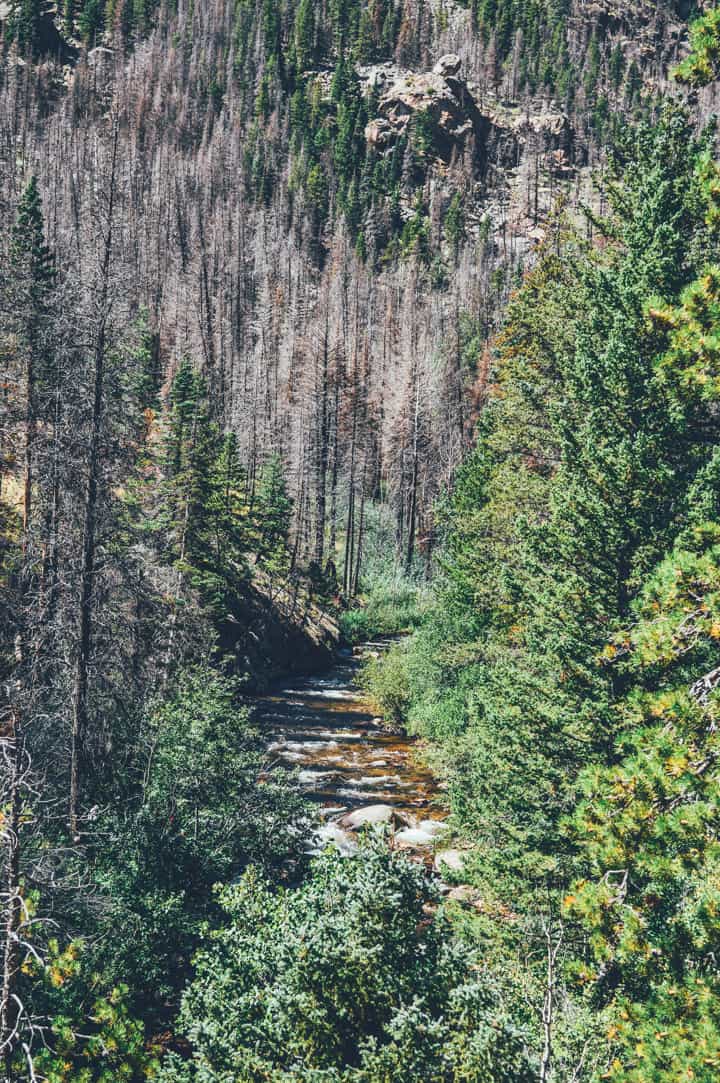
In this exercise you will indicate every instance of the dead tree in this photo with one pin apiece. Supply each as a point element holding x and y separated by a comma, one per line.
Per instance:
<point>103,308</point>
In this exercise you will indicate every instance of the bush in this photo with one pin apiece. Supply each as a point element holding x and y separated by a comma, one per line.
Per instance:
<point>345,979</point>
<point>205,816</point>
<point>385,681</point>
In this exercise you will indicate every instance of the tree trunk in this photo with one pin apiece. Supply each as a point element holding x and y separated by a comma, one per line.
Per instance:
<point>13,755</point>
<point>90,507</point>
<point>412,511</point>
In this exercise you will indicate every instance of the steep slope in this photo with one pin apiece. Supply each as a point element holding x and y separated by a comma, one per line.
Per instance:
<point>322,215</point>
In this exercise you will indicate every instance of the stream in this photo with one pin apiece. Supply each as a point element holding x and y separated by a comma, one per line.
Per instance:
<point>358,773</point>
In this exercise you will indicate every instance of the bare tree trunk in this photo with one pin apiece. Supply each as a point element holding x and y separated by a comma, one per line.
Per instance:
<point>548,1009</point>
<point>321,430</point>
<point>335,467</point>
<point>360,538</point>
<point>30,429</point>
<point>90,507</point>
<point>350,525</point>
<point>412,512</point>
<point>12,751</point>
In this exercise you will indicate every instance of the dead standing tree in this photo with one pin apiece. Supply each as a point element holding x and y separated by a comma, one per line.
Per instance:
<point>103,305</point>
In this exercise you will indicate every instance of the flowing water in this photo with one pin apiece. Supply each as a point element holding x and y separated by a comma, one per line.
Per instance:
<point>322,729</point>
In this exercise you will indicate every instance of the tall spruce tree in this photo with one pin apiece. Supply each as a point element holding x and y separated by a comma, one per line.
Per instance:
<point>28,298</point>
<point>599,507</point>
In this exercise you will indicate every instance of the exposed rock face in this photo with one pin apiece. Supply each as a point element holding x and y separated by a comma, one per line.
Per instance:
<point>441,100</point>
<point>457,117</point>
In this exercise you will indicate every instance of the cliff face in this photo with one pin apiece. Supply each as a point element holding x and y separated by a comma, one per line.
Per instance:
<point>326,205</point>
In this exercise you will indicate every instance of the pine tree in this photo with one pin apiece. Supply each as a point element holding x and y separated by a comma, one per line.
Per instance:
<point>91,21</point>
<point>30,254</point>
<point>304,34</point>
<point>271,513</point>
<point>189,452</point>
<point>579,468</point>
<point>703,64</point>
<point>30,288</point>
<point>229,533</point>
<point>24,24</point>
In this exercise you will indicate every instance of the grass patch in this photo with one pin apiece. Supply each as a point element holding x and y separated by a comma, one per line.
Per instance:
<point>390,605</point>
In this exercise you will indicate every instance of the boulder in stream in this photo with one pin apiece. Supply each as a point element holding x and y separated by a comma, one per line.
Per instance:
<point>373,816</point>
<point>331,834</point>
<point>454,860</point>
<point>414,838</point>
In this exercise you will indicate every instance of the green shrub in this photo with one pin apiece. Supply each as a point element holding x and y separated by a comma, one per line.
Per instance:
<point>385,681</point>
<point>206,815</point>
<point>391,605</point>
<point>344,979</point>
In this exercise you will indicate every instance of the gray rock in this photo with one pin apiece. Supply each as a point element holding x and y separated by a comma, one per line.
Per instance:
<point>332,835</point>
<point>448,66</point>
<point>374,816</point>
<point>434,827</point>
<point>453,860</point>
<point>447,102</point>
<point>414,838</point>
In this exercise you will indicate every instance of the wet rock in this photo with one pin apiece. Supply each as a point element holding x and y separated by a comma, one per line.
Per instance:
<point>332,835</point>
<point>434,827</point>
<point>374,816</point>
<point>315,779</point>
<point>413,838</point>
<point>454,860</point>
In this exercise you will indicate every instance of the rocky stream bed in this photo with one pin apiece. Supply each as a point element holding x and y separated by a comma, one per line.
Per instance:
<point>357,772</point>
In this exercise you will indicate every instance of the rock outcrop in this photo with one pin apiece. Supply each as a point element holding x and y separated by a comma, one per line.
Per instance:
<point>437,100</point>
<point>447,117</point>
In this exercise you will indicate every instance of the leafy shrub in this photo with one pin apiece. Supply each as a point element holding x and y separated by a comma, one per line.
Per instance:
<point>344,979</point>
<point>385,681</point>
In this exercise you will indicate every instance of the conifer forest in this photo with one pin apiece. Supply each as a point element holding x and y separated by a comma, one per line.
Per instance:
<point>359,541</point>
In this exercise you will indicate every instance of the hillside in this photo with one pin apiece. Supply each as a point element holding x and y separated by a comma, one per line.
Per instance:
<point>328,224</point>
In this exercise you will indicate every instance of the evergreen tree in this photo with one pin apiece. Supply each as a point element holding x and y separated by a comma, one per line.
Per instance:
<point>28,300</point>
<point>90,20</point>
<point>24,22</point>
<point>304,34</point>
<point>191,446</point>
<point>703,64</point>
<point>30,256</point>
<point>271,513</point>
<point>346,978</point>
<point>597,507</point>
